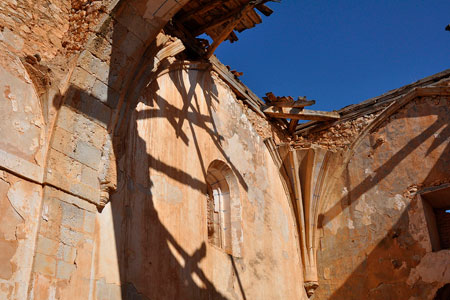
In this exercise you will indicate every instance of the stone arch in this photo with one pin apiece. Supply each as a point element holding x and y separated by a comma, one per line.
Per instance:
<point>23,149</point>
<point>223,208</point>
<point>96,93</point>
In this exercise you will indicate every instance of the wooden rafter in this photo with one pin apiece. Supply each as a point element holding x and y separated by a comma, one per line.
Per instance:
<point>201,9</point>
<point>265,10</point>
<point>228,29</point>
<point>228,17</point>
<point>296,104</point>
<point>292,124</point>
<point>300,114</point>
<point>287,101</point>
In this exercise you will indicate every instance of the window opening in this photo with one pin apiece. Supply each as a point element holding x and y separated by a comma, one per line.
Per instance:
<point>443,293</point>
<point>436,204</point>
<point>223,208</point>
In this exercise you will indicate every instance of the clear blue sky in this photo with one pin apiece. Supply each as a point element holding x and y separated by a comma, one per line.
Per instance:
<point>341,52</point>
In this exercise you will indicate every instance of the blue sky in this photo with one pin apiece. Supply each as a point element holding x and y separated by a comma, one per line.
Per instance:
<point>341,52</point>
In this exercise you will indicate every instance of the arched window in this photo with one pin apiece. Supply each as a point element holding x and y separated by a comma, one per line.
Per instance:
<point>223,208</point>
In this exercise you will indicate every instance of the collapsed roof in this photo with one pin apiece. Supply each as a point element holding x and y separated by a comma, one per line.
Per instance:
<point>218,19</point>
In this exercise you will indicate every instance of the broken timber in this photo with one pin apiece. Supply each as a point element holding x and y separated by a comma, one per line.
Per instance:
<point>295,113</point>
<point>241,90</point>
<point>272,100</point>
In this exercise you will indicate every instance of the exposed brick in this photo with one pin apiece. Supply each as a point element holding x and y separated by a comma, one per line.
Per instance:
<point>63,141</point>
<point>131,45</point>
<point>70,237</point>
<point>120,67</point>
<point>82,79</point>
<point>66,253</point>
<point>62,170</point>
<point>72,216</point>
<point>89,131</point>
<point>167,10</point>
<point>89,106</point>
<point>47,246</point>
<point>55,196</point>
<point>89,222</point>
<point>85,191</point>
<point>64,270</point>
<point>87,154</point>
<point>105,94</point>
<point>134,22</point>
<point>101,48</point>
<point>66,119</point>
<point>89,177</point>
<point>94,65</point>
<point>45,264</point>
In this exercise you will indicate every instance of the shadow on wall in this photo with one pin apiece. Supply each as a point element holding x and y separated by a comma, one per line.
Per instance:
<point>383,171</point>
<point>160,274</point>
<point>384,272</point>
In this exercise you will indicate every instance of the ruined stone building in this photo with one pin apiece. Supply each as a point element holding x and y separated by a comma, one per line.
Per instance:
<point>134,165</point>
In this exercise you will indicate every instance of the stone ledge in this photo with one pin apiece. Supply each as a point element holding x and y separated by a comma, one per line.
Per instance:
<point>21,167</point>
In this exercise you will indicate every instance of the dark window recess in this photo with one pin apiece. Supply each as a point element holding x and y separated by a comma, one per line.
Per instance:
<point>436,204</point>
<point>443,293</point>
<point>443,226</point>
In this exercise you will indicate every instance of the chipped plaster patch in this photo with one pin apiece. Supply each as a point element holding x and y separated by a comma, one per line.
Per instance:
<point>434,267</point>
<point>163,190</point>
<point>365,209</point>
<point>350,224</point>
<point>344,191</point>
<point>398,203</point>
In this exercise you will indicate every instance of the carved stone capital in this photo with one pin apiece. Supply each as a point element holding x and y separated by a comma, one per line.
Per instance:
<point>310,287</point>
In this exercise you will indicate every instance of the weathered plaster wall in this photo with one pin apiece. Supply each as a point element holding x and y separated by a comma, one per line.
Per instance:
<point>20,202</point>
<point>62,64</point>
<point>82,116</point>
<point>22,125</point>
<point>375,242</point>
<point>154,229</point>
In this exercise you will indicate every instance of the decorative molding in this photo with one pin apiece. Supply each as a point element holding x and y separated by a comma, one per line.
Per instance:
<point>306,173</point>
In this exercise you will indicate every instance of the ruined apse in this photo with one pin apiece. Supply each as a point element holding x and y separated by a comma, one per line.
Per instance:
<point>134,165</point>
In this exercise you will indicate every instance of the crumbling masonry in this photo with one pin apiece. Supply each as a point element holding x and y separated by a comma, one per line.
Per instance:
<point>134,165</point>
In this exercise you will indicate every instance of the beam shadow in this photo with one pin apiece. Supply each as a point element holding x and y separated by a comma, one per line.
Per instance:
<point>152,265</point>
<point>384,273</point>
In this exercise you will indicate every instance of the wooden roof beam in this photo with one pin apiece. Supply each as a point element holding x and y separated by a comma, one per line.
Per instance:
<point>228,28</point>
<point>265,10</point>
<point>296,104</point>
<point>230,16</point>
<point>300,114</point>
<point>201,9</point>
<point>292,125</point>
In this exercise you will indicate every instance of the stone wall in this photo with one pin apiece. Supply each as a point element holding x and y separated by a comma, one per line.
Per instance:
<point>58,92</point>
<point>106,139</point>
<point>156,222</point>
<point>375,242</point>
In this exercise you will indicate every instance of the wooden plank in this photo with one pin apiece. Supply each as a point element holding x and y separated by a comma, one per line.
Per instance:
<point>300,114</point>
<point>187,38</point>
<point>270,97</point>
<point>292,124</point>
<point>296,104</point>
<point>220,20</point>
<point>238,87</point>
<point>374,107</point>
<point>265,10</point>
<point>227,30</point>
<point>201,9</point>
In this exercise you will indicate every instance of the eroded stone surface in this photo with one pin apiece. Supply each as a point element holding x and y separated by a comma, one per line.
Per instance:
<point>104,151</point>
